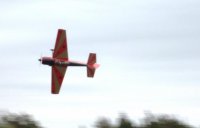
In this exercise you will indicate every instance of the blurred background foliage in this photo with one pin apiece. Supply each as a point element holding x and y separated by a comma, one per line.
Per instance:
<point>149,121</point>
<point>12,120</point>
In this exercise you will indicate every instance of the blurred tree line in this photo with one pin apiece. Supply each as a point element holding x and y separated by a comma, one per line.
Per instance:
<point>10,120</point>
<point>149,121</point>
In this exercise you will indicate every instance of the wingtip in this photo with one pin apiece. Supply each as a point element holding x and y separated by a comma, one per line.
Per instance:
<point>60,29</point>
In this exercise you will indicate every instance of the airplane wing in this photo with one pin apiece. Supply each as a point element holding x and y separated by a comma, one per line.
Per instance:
<point>58,74</point>
<point>60,50</point>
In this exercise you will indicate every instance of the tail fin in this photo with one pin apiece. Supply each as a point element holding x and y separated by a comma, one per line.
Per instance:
<point>91,65</point>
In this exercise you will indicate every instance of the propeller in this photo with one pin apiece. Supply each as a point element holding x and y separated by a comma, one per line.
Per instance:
<point>40,59</point>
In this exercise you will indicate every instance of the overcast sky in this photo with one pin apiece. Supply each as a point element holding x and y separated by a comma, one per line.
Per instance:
<point>148,51</point>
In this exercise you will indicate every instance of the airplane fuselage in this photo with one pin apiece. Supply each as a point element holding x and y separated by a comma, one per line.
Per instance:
<point>59,62</point>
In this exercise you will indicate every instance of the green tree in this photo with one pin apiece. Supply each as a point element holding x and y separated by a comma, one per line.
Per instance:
<point>18,121</point>
<point>162,121</point>
<point>103,123</point>
<point>124,122</point>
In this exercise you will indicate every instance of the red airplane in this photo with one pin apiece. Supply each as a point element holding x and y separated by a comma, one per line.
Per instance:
<point>60,61</point>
